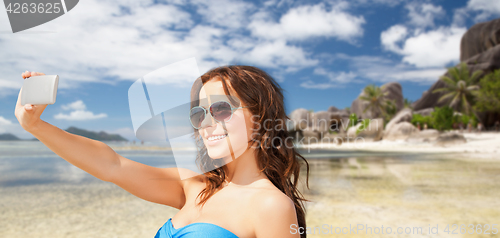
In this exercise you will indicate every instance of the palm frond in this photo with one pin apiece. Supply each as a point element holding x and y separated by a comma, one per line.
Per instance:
<point>446,96</point>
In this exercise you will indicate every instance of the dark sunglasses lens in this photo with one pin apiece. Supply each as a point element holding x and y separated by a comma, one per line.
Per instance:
<point>221,111</point>
<point>197,116</point>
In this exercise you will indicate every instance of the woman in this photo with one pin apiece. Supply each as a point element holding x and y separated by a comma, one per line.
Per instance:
<point>255,195</point>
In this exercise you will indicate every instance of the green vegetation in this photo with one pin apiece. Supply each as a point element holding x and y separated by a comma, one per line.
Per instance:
<point>461,88</point>
<point>377,102</point>
<point>422,120</point>
<point>390,111</point>
<point>353,120</point>
<point>407,103</point>
<point>443,119</point>
<point>364,125</point>
<point>488,96</point>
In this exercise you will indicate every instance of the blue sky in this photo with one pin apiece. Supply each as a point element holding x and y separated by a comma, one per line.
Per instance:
<point>322,52</point>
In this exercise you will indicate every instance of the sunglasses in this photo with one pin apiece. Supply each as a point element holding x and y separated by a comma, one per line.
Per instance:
<point>220,111</point>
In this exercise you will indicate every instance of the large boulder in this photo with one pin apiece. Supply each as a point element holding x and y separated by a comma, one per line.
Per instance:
<point>480,50</point>
<point>373,132</point>
<point>393,91</point>
<point>424,112</point>
<point>404,115</point>
<point>333,109</point>
<point>339,120</point>
<point>428,135</point>
<point>450,138</point>
<point>310,136</point>
<point>487,62</point>
<point>480,38</point>
<point>321,121</point>
<point>299,120</point>
<point>400,131</point>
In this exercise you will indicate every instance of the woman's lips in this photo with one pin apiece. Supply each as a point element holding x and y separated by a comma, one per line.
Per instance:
<point>213,139</point>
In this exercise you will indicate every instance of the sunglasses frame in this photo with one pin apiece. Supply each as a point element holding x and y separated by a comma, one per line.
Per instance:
<point>206,111</point>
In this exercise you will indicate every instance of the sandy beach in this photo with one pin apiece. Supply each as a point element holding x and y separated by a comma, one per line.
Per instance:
<point>478,145</point>
<point>385,183</point>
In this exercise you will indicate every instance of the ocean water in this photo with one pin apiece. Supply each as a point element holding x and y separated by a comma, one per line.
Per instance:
<point>31,162</point>
<point>410,195</point>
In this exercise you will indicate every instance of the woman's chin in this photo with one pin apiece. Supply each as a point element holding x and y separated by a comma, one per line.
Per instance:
<point>214,154</point>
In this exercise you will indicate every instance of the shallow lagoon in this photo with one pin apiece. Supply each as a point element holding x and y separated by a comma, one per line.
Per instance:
<point>42,195</point>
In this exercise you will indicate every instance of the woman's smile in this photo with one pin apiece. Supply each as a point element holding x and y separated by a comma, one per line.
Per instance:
<point>213,139</point>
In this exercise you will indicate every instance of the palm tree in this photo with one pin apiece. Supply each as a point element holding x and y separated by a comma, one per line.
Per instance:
<point>375,97</point>
<point>407,102</point>
<point>460,88</point>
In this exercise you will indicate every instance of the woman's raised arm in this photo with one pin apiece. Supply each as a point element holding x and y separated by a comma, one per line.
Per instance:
<point>159,185</point>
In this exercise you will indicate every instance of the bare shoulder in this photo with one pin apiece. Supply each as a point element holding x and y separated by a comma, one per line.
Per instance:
<point>274,214</point>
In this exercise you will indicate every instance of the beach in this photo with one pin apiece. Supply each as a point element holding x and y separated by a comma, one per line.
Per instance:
<point>478,145</point>
<point>387,183</point>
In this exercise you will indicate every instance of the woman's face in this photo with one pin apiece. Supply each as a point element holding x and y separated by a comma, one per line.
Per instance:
<point>224,140</point>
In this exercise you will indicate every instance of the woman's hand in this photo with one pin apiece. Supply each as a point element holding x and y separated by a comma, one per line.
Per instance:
<point>28,115</point>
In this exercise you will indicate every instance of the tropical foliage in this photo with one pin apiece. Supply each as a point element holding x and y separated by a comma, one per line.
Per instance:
<point>377,102</point>
<point>461,88</point>
<point>488,96</point>
<point>353,120</point>
<point>422,120</point>
<point>407,103</point>
<point>442,118</point>
<point>390,110</point>
<point>364,125</point>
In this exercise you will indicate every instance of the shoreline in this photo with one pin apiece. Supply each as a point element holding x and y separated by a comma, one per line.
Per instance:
<point>478,145</point>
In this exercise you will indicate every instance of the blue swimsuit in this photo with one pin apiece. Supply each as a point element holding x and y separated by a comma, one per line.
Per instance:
<point>194,230</point>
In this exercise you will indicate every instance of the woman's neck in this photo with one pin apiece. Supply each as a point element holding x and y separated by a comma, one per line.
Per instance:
<point>244,170</point>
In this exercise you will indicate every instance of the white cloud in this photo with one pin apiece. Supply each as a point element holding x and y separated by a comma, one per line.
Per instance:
<point>390,3</point>
<point>106,41</point>
<point>423,15</point>
<point>280,54</point>
<point>486,8</point>
<point>307,21</point>
<point>335,79</point>
<point>392,37</point>
<point>4,122</point>
<point>339,77</point>
<point>422,47</point>
<point>76,105</point>
<point>226,13</point>
<point>434,48</point>
<point>8,126</point>
<point>379,69</point>
<point>78,113</point>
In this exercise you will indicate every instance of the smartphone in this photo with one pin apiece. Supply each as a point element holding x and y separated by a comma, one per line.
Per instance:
<point>38,90</point>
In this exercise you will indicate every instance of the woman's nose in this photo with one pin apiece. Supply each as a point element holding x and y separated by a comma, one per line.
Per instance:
<point>207,121</point>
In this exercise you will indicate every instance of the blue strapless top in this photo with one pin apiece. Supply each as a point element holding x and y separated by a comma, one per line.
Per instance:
<point>194,230</point>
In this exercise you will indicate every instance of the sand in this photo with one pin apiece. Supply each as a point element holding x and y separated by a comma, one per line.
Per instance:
<point>353,191</point>
<point>479,145</point>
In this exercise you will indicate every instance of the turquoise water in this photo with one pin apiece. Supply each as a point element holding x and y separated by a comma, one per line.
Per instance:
<point>31,162</point>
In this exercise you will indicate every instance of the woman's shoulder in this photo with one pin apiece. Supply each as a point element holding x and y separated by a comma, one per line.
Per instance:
<point>269,198</point>
<point>273,211</point>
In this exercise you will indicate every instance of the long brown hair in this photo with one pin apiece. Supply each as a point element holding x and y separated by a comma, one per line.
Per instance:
<point>276,156</point>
